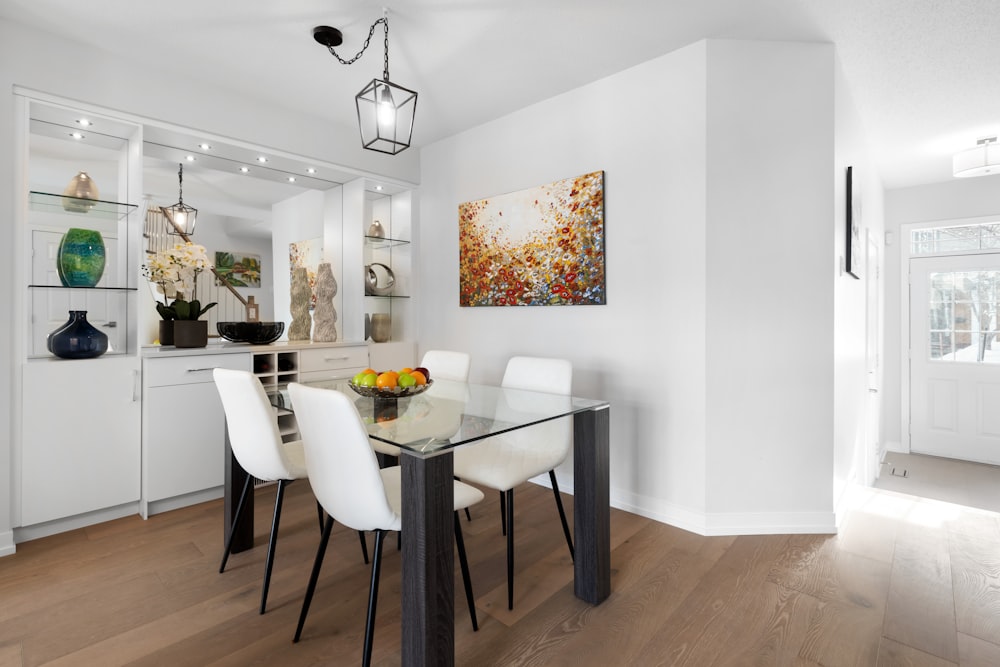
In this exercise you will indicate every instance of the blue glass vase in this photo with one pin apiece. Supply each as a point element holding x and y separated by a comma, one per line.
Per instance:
<point>78,338</point>
<point>80,260</point>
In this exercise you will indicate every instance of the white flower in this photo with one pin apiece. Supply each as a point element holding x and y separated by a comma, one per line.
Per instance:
<point>175,270</point>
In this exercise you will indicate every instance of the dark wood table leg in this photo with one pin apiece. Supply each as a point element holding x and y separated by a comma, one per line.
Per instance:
<point>592,504</point>
<point>236,477</point>
<point>428,561</point>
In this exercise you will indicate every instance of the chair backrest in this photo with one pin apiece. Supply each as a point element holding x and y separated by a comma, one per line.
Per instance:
<point>552,376</point>
<point>343,470</point>
<point>447,365</point>
<point>253,428</point>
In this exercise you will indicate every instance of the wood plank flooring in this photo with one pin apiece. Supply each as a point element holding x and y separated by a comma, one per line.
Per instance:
<point>906,582</point>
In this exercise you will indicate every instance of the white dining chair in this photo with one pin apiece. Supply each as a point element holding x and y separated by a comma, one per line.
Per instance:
<point>353,490</point>
<point>256,443</point>
<point>505,461</point>
<point>442,364</point>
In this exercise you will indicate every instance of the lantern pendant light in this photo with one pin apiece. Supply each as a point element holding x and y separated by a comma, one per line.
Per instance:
<point>181,218</point>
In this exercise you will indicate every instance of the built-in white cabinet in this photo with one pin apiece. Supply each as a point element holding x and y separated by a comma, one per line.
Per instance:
<point>183,429</point>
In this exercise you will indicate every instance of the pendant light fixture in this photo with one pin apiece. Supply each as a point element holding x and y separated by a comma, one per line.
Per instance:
<point>385,109</point>
<point>180,216</point>
<point>982,160</point>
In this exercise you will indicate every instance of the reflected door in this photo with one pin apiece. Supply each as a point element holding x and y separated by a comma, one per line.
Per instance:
<point>955,357</point>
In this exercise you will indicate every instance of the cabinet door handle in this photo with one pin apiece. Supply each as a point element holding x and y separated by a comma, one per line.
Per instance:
<point>335,358</point>
<point>135,386</point>
<point>199,370</point>
<point>111,325</point>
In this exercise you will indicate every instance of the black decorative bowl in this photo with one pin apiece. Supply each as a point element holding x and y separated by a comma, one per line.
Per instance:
<point>255,333</point>
<point>395,392</point>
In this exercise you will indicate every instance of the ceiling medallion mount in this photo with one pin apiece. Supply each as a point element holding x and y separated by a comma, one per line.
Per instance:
<point>327,36</point>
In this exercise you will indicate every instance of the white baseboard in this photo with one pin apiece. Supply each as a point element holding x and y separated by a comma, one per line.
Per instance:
<point>895,446</point>
<point>7,543</point>
<point>33,532</point>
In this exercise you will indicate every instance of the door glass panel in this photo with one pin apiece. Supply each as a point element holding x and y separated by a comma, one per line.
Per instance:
<point>963,316</point>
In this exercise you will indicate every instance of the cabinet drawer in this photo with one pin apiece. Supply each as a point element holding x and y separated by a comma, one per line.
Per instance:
<point>190,370</point>
<point>333,358</point>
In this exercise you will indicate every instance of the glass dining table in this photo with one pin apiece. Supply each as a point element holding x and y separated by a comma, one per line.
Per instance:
<point>427,428</point>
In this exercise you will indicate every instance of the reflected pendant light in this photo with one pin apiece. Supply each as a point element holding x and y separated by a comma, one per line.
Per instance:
<point>982,160</point>
<point>385,109</point>
<point>181,218</point>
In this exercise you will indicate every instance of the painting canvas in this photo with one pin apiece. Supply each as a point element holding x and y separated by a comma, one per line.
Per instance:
<point>239,268</point>
<point>543,246</point>
<point>308,254</point>
<point>852,252</point>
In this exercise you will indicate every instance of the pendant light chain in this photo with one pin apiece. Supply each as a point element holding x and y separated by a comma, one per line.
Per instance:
<point>180,184</point>
<point>385,73</point>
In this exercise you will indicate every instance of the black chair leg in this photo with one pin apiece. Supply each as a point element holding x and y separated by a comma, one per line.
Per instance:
<point>503,513</point>
<point>464,562</point>
<point>236,520</point>
<point>311,588</point>
<point>467,515</point>
<point>366,659</point>
<point>562,514</point>
<point>319,513</point>
<point>364,545</point>
<point>510,547</point>
<point>272,543</point>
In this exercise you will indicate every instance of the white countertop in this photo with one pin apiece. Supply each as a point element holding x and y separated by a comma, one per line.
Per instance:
<point>220,346</point>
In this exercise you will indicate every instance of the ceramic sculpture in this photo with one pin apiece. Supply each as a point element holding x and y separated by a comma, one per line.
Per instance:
<point>325,317</point>
<point>301,294</point>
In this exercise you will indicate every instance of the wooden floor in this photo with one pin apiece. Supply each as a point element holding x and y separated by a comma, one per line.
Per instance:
<point>906,582</point>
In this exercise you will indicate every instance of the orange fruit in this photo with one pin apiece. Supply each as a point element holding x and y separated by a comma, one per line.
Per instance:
<point>419,377</point>
<point>369,370</point>
<point>405,370</point>
<point>386,380</point>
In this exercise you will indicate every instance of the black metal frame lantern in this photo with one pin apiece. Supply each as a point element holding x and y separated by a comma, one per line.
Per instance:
<point>385,109</point>
<point>181,218</point>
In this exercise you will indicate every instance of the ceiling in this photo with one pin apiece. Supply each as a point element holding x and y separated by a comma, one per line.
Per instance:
<point>921,72</point>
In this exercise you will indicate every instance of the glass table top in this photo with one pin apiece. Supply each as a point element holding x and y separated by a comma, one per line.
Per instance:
<point>448,414</point>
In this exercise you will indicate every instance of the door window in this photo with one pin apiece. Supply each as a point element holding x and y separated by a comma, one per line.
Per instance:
<point>962,316</point>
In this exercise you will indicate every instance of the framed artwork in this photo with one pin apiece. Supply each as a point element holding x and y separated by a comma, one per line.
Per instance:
<point>543,246</point>
<point>309,254</point>
<point>852,251</point>
<point>239,268</point>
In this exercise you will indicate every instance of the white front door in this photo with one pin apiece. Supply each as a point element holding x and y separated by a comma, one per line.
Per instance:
<point>955,357</point>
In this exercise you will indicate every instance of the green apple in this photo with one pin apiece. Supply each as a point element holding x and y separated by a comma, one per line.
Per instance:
<point>368,380</point>
<point>357,379</point>
<point>406,380</point>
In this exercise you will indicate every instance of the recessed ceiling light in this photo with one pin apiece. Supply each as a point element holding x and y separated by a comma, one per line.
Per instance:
<point>245,170</point>
<point>262,159</point>
<point>379,188</point>
<point>83,122</point>
<point>310,170</point>
<point>190,158</point>
<point>291,179</point>
<point>205,147</point>
<point>76,135</point>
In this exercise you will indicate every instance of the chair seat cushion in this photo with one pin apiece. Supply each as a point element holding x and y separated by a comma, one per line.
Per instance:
<point>501,463</point>
<point>465,495</point>
<point>296,457</point>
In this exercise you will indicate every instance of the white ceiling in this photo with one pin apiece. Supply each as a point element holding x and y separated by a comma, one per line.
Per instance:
<point>921,72</point>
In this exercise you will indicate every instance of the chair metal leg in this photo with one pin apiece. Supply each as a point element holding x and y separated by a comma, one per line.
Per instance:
<point>562,514</point>
<point>319,513</point>
<point>366,659</point>
<point>503,513</point>
<point>510,548</point>
<point>364,545</point>
<point>273,542</point>
<point>468,516</point>
<point>236,520</point>
<point>464,561</point>
<point>317,564</point>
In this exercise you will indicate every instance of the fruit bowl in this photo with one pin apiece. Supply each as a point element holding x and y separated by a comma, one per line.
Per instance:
<point>394,392</point>
<point>255,333</point>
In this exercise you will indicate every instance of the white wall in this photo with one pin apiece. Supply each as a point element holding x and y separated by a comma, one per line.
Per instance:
<point>852,400</point>
<point>716,346</point>
<point>955,200</point>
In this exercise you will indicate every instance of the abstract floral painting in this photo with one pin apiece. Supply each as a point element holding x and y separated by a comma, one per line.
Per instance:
<point>308,254</point>
<point>543,246</point>
<point>240,269</point>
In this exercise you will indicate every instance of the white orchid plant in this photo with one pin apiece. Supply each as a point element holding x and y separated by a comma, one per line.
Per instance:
<point>175,272</point>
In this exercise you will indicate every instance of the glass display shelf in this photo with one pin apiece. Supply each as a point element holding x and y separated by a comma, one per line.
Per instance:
<point>387,296</point>
<point>107,289</point>
<point>379,243</point>
<point>94,208</point>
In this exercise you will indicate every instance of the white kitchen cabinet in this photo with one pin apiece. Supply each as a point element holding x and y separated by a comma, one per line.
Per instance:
<point>183,429</point>
<point>80,448</point>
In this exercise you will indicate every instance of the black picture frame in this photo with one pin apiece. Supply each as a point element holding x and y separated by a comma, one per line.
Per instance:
<point>852,248</point>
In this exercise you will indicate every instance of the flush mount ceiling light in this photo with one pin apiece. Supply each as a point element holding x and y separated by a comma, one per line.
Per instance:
<point>385,109</point>
<point>982,160</point>
<point>182,218</point>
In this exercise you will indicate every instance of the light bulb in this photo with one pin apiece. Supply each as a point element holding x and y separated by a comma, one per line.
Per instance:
<point>386,111</point>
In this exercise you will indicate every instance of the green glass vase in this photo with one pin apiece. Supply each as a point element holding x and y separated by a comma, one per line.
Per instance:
<point>80,260</point>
